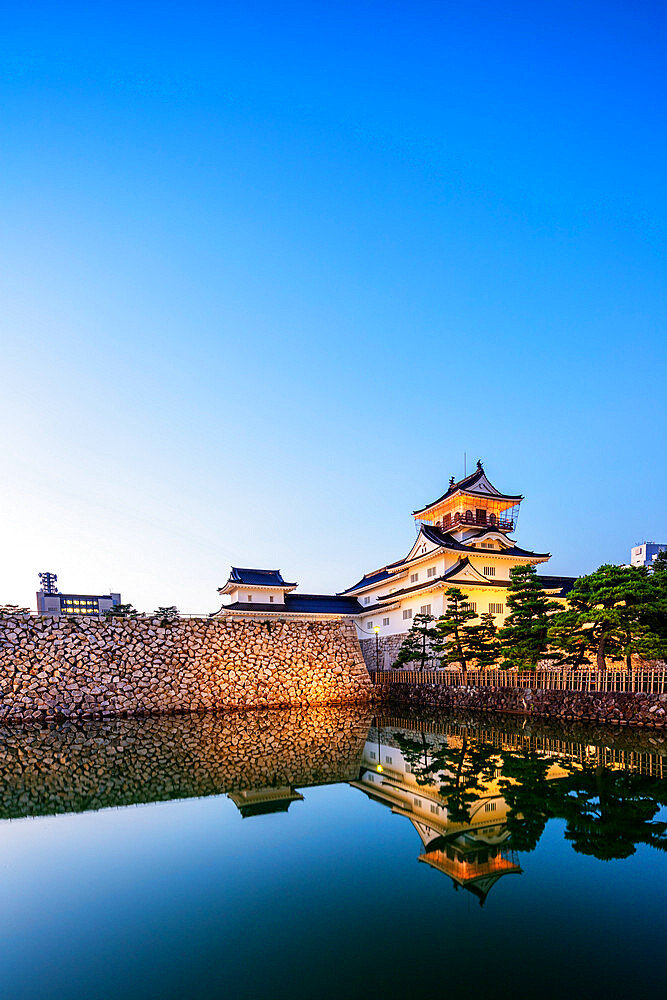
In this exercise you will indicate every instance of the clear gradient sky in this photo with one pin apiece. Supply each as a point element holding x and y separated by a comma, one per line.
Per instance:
<point>268,269</point>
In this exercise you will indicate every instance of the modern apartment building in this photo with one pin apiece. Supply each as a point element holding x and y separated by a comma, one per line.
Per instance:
<point>645,554</point>
<point>51,602</point>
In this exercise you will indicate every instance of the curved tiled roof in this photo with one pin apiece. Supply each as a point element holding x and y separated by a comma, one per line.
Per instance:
<point>440,537</point>
<point>258,577</point>
<point>323,604</point>
<point>370,578</point>
<point>467,485</point>
<point>428,584</point>
<point>565,583</point>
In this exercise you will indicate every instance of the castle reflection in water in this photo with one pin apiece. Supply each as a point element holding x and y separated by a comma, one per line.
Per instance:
<point>479,791</point>
<point>474,850</point>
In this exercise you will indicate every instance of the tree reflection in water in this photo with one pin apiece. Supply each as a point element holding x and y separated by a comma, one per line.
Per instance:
<point>477,796</point>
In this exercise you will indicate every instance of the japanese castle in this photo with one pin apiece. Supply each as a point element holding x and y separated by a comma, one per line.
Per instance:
<point>463,540</point>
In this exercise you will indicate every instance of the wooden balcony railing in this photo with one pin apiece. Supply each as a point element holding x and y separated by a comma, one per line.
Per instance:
<point>474,518</point>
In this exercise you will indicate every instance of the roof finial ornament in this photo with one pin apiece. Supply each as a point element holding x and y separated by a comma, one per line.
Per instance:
<point>451,480</point>
<point>479,464</point>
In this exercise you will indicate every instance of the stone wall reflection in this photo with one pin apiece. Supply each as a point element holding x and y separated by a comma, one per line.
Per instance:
<point>257,757</point>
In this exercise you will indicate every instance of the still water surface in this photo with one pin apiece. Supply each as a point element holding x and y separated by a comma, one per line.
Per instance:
<point>331,854</point>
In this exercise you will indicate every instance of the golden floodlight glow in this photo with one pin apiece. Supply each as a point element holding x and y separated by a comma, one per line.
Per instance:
<point>376,629</point>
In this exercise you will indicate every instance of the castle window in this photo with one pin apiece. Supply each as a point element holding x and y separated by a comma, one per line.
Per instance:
<point>496,609</point>
<point>250,597</point>
<point>489,571</point>
<point>431,571</point>
<point>388,760</point>
<point>270,598</point>
<point>469,605</point>
<point>385,621</point>
<point>425,609</point>
<point>407,614</point>
<point>369,624</point>
<point>414,577</point>
<point>367,600</point>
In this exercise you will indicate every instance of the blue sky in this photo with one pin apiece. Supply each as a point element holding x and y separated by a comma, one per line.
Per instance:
<point>269,269</point>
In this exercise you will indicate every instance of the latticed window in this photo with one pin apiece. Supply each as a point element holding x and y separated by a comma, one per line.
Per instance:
<point>496,609</point>
<point>489,571</point>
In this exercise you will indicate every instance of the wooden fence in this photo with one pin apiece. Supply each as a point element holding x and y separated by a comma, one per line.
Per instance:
<point>648,680</point>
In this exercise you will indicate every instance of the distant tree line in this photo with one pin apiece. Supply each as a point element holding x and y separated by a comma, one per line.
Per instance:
<point>609,614</point>
<point>167,614</point>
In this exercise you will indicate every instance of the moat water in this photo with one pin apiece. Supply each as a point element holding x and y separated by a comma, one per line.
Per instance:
<point>332,854</point>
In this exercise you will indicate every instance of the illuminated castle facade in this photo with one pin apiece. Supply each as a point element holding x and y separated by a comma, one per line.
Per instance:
<point>463,540</point>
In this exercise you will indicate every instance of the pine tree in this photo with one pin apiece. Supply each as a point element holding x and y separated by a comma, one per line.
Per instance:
<point>615,612</point>
<point>483,644</point>
<point>656,613</point>
<point>167,614</point>
<point>121,611</point>
<point>417,644</point>
<point>523,637</point>
<point>567,639</point>
<point>453,629</point>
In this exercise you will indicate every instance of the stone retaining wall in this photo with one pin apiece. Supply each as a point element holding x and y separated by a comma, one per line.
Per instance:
<point>61,667</point>
<point>620,707</point>
<point>387,647</point>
